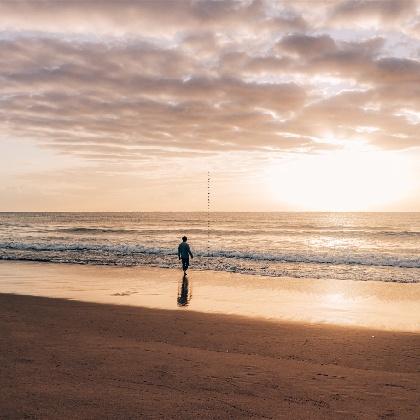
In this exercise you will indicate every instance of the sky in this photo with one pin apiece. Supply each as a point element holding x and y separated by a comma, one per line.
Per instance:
<point>290,105</point>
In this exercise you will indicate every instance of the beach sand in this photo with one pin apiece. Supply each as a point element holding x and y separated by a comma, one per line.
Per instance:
<point>69,359</point>
<point>220,357</point>
<point>371,304</point>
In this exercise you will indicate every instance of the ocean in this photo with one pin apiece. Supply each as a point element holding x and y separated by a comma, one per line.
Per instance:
<point>345,246</point>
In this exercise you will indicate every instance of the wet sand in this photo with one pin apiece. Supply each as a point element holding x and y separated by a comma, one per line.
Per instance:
<point>70,359</point>
<point>378,305</point>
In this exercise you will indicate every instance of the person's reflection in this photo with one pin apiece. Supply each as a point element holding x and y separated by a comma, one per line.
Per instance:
<point>184,292</point>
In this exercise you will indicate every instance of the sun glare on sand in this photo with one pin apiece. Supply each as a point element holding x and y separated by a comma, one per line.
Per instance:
<point>346,180</point>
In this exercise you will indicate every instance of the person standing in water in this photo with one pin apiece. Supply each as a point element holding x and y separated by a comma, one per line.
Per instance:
<point>184,253</point>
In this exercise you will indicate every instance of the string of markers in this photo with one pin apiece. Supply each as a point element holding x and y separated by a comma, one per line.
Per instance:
<point>208,216</point>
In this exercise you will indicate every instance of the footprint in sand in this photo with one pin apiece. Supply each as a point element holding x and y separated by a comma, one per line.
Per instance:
<point>127,293</point>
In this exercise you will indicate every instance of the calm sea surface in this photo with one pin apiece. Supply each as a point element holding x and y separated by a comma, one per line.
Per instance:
<point>355,246</point>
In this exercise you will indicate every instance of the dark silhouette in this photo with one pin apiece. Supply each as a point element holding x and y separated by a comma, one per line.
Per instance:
<point>184,253</point>
<point>184,292</point>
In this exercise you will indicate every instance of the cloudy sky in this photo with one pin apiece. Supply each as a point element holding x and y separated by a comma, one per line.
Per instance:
<point>291,105</point>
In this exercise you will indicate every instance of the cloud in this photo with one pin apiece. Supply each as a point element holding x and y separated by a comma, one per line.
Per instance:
<point>140,81</point>
<point>130,17</point>
<point>382,10</point>
<point>306,45</point>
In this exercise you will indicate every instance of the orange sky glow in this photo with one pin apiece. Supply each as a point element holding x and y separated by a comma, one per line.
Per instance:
<point>291,105</point>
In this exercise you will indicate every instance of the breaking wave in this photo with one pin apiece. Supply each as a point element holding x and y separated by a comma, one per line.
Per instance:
<point>128,251</point>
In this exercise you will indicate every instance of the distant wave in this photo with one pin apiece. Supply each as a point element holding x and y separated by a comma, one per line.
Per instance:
<point>324,231</point>
<point>93,230</point>
<point>119,249</point>
<point>110,230</point>
<point>105,251</point>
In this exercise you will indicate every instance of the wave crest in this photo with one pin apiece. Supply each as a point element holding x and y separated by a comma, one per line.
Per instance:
<point>121,250</point>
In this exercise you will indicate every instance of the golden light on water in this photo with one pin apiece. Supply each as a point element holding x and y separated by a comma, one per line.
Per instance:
<point>389,306</point>
<point>336,299</point>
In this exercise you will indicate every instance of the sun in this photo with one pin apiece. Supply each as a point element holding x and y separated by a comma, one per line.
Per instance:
<point>345,180</point>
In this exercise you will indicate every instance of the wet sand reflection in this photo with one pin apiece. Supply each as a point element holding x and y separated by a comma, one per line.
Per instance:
<point>387,306</point>
<point>184,292</point>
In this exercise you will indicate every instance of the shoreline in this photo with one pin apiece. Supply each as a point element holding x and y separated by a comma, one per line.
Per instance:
<point>64,358</point>
<point>198,270</point>
<point>370,304</point>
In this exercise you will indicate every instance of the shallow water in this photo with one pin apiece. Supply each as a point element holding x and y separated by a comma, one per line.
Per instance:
<point>378,305</point>
<point>347,246</point>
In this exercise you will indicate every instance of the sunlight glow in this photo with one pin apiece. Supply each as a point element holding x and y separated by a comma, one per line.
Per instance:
<point>336,299</point>
<point>345,180</point>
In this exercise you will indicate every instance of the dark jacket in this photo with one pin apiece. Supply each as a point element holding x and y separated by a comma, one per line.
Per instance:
<point>184,250</point>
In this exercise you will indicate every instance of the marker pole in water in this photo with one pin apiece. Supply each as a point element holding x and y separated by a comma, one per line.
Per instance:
<point>208,218</point>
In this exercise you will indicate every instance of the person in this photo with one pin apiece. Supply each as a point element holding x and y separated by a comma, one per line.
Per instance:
<point>184,253</point>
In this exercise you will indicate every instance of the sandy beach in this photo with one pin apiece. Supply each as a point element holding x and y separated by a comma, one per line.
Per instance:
<point>369,304</point>
<point>68,359</point>
<point>64,358</point>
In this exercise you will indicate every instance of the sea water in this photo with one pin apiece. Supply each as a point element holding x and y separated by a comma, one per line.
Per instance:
<point>344,246</point>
